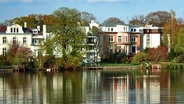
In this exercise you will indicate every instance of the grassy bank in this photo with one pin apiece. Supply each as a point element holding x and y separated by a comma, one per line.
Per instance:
<point>103,64</point>
<point>171,65</point>
<point>115,66</point>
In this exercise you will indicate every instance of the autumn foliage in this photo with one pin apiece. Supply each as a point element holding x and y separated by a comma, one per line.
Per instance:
<point>18,54</point>
<point>157,54</point>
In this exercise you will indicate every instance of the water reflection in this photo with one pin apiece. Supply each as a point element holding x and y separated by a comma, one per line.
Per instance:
<point>93,87</point>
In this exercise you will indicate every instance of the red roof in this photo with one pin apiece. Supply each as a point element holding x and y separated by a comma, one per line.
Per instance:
<point>3,28</point>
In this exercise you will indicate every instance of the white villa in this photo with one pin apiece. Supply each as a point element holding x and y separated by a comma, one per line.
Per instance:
<point>32,38</point>
<point>151,36</point>
<point>91,51</point>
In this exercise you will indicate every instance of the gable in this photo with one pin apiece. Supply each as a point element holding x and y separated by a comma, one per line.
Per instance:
<point>15,28</point>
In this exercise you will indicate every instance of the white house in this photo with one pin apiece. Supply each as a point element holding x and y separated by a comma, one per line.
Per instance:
<point>91,51</point>
<point>151,36</point>
<point>32,38</point>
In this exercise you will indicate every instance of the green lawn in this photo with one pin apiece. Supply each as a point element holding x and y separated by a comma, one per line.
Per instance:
<point>114,64</point>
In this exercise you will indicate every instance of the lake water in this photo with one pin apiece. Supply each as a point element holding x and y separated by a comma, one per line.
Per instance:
<point>93,87</point>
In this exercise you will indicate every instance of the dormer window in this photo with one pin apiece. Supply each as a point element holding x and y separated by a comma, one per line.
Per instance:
<point>14,30</point>
<point>108,29</point>
<point>131,30</point>
<point>11,30</point>
<point>35,32</point>
<point>111,29</point>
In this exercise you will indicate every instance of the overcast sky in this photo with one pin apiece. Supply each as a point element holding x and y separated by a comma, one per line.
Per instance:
<point>101,9</point>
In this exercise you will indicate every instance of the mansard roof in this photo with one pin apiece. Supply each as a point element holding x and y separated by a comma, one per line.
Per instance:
<point>112,24</point>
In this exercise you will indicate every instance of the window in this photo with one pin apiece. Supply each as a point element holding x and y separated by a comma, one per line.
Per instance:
<point>147,40</point>
<point>17,30</point>
<point>4,40</point>
<point>14,30</point>
<point>133,38</point>
<point>147,31</point>
<point>111,38</point>
<point>11,30</point>
<point>131,30</point>
<point>108,29</point>
<point>119,49</point>
<point>126,50</point>
<point>4,51</point>
<point>14,39</point>
<point>119,39</point>
<point>134,30</point>
<point>35,32</point>
<point>34,41</point>
<point>134,49</point>
<point>126,38</point>
<point>111,29</point>
<point>24,40</point>
<point>35,53</point>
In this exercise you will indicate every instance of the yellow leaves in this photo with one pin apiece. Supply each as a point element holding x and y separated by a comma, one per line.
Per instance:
<point>171,27</point>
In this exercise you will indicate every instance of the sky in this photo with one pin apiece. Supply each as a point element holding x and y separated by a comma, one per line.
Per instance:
<point>101,9</point>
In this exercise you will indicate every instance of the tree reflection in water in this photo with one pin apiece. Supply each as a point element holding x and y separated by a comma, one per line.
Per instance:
<point>102,87</point>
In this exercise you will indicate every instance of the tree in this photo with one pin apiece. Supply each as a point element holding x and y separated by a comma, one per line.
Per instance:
<point>158,18</point>
<point>13,48</point>
<point>170,31</point>
<point>67,37</point>
<point>139,58</point>
<point>138,20</point>
<point>180,21</point>
<point>179,47</point>
<point>157,54</point>
<point>23,55</point>
<point>113,20</point>
<point>31,21</point>
<point>18,54</point>
<point>86,18</point>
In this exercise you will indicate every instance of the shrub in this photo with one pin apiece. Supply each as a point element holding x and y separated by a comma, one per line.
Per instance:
<point>49,61</point>
<point>158,54</point>
<point>139,58</point>
<point>179,59</point>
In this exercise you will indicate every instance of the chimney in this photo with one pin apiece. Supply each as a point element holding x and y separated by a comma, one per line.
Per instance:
<point>44,32</point>
<point>38,27</point>
<point>25,25</point>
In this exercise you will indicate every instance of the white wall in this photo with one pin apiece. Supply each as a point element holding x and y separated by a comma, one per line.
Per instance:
<point>154,40</point>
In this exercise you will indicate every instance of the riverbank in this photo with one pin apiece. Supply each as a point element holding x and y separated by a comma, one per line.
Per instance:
<point>85,68</point>
<point>6,70</point>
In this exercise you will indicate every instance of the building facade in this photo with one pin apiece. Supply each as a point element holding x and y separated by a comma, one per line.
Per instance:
<point>151,36</point>
<point>91,50</point>
<point>111,38</point>
<point>131,40</point>
<point>32,38</point>
<point>119,38</point>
